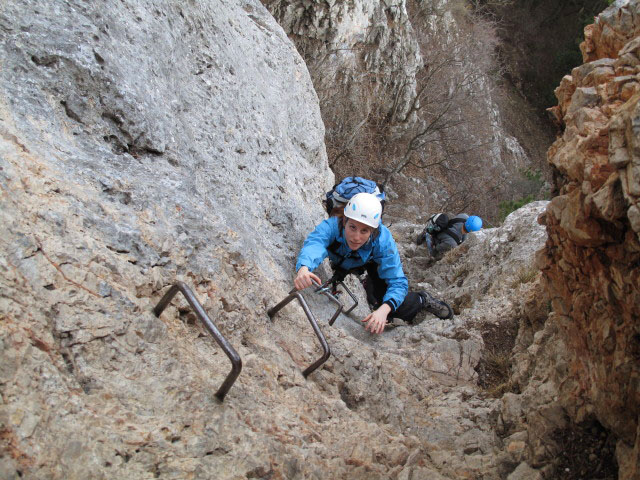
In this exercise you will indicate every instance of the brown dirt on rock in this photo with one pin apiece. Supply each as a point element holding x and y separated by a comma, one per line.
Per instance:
<point>494,368</point>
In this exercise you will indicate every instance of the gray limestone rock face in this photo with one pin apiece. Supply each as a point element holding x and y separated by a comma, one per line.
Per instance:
<point>162,112</point>
<point>142,142</point>
<point>340,40</point>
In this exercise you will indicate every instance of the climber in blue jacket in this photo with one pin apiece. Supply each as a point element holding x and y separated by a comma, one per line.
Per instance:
<point>356,243</point>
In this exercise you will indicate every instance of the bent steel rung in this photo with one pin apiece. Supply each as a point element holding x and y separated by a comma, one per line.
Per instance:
<point>324,289</point>
<point>236,362</point>
<point>314,324</point>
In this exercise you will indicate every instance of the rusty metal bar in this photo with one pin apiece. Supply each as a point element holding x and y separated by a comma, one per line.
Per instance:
<point>236,362</point>
<point>295,294</point>
<point>324,289</point>
<point>353,297</point>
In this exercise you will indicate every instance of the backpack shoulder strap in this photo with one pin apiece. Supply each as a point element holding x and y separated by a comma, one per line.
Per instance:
<point>455,236</point>
<point>335,245</point>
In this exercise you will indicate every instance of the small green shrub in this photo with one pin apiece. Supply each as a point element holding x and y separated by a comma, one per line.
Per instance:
<point>531,186</point>
<point>534,176</point>
<point>512,205</point>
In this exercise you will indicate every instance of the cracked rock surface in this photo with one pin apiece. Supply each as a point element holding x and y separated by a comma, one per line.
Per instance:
<point>154,142</point>
<point>141,146</point>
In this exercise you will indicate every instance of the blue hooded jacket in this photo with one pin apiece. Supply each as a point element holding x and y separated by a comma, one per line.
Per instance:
<point>381,249</point>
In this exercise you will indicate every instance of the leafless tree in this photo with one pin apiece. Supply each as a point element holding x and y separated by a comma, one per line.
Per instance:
<point>447,118</point>
<point>435,123</point>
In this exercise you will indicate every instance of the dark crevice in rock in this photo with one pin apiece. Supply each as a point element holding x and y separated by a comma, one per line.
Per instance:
<point>187,316</point>
<point>44,60</point>
<point>136,151</point>
<point>118,250</point>
<point>113,117</point>
<point>585,450</point>
<point>68,361</point>
<point>116,145</point>
<point>98,58</point>
<point>70,112</point>
<point>125,456</point>
<point>346,396</point>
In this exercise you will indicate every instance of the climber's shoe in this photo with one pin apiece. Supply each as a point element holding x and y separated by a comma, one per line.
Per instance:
<point>439,308</point>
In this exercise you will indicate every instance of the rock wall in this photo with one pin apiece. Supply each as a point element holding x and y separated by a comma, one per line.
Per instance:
<point>150,142</point>
<point>582,364</point>
<point>610,31</point>
<point>141,145</point>
<point>357,53</point>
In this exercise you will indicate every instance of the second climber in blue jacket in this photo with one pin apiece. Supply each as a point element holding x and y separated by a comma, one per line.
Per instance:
<point>356,243</point>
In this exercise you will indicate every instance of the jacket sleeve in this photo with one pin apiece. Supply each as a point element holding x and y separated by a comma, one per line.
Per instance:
<point>390,269</point>
<point>314,249</point>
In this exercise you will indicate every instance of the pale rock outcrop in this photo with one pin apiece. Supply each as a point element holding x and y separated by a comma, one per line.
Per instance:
<point>611,31</point>
<point>367,48</point>
<point>492,280</point>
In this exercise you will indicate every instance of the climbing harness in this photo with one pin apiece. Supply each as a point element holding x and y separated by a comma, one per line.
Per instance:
<point>333,290</point>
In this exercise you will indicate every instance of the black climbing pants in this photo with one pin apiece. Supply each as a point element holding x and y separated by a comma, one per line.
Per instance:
<point>376,287</point>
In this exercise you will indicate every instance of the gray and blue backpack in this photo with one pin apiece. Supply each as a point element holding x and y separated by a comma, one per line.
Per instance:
<point>341,192</point>
<point>440,222</point>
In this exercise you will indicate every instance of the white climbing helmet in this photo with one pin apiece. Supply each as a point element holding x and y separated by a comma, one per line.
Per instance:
<point>364,208</point>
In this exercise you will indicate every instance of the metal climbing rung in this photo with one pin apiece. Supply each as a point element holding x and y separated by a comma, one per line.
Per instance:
<point>324,289</point>
<point>236,362</point>
<point>323,342</point>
